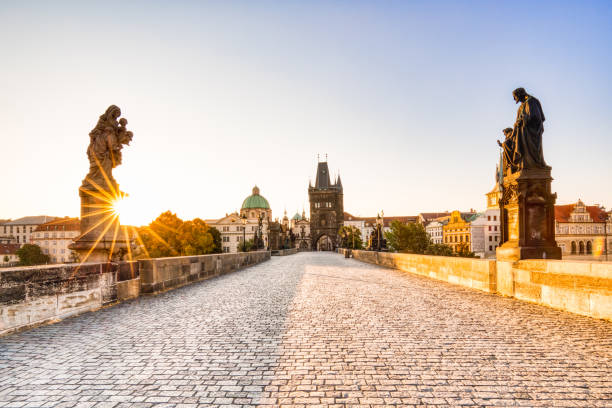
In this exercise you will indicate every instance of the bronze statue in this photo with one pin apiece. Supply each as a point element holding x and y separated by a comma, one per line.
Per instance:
<point>527,132</point>
<point>508,146</point>
<point>104,151</point>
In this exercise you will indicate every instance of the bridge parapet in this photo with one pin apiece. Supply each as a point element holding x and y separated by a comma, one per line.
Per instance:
<point>575,286</point>
<point>30,296</point>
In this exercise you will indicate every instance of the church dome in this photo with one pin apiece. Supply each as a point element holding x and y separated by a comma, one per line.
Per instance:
<point>297,217</point>
<point>255,200</point>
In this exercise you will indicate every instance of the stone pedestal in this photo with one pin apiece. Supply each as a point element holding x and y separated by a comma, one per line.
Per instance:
<point>527,212</point>
<point>97,242</point>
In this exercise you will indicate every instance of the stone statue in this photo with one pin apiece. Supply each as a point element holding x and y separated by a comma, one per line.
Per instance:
<point>508,146</point>
<point>104,151</point>
<point>527,132</point>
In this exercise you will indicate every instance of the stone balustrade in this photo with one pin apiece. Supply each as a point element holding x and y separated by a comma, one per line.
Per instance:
<point>576,286</point>
<point>34,295</point>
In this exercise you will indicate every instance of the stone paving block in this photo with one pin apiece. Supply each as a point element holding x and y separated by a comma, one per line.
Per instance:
<point>312,329</point>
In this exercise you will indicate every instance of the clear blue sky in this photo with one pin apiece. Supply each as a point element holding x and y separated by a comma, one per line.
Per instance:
<point>406,98</point>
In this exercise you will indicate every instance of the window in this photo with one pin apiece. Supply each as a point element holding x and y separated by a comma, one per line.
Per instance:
<point>238,238</point>
<point>63,251</point>
<point>495,218</point>
<point>54,251</point>
<point>226,239</point>
<point>225,229</point>
<point>46,235</point>
<point>467,238</point>
<point>489,228</point>
<point>495,228</point>
<point>490,248</point>
<point>17,230</point>
<point>488,218</point>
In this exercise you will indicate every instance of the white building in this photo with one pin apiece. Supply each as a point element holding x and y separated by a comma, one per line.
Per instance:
<point>238,226</point>
<point>300,227</point>
<point>485,228</point>
<point>8,254</point>
<point>435,230</point>
<point>55,236</point>
<point>19,231</point>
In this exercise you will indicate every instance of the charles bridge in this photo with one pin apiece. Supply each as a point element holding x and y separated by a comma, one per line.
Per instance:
<point>306,329</point>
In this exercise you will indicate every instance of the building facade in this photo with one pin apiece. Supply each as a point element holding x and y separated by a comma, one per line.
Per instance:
<point>583,230</point>
<point>300,227</point>
<point>457,232</point>
<point>326,210</point>
<point>55,236</point>
<point>255,213</point>
<point>8,254</point>
<point>20,231</point>
<point>435,230</point>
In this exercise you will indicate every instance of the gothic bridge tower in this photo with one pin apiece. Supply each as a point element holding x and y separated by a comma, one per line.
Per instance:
<point>326,210</point>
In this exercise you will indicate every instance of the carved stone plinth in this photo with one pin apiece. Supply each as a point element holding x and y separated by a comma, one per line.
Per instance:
<point>527,212</point>
<point>101,237</point>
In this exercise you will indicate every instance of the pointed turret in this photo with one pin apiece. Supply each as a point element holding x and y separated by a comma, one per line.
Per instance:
<point>322,181</point>
<point>339,182</point>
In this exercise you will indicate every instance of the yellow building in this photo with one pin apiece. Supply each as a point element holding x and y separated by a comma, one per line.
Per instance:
<point>457,232</point>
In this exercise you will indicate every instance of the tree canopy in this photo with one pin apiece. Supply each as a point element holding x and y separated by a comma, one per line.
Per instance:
<point>409,237</point>
<point>31,254</point>
<point>350,237</point>
<point>168,235</point>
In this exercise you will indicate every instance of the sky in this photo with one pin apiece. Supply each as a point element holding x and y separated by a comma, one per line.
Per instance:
<point>406,99</point>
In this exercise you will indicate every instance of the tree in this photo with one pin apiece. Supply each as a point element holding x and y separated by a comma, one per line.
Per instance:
<point>350,237</point>
<point>439,249</point>
<point>168,235</point>
<point>246,246</point>
<point>463,250</point>
<point>410,238</point>
<point>6,258</point>
<point>30,254</point>
<point>217,248</point>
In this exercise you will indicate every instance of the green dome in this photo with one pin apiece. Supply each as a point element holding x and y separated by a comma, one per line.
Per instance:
<point>255,200</point>
<point>297,217</point>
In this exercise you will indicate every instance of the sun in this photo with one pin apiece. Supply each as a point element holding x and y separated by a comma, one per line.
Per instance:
<point>127,211</point>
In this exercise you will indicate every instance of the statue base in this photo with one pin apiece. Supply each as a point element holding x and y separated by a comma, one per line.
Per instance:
<point>101,239</point>
<point>527,212</point>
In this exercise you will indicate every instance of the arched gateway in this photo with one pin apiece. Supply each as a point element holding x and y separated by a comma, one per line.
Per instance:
<point>325,243</point>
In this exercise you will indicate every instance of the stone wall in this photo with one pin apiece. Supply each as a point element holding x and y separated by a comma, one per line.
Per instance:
<point>283,252</point>
<point>471,272</point>
<point>576,286</point>
<point>161,274</point>
<point>30,296</point>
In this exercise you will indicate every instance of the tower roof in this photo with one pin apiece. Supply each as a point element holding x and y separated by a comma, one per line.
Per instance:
<point>322,180</point>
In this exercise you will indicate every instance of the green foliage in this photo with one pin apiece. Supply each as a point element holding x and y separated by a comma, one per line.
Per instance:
<point>30,254</point>
<point>6,258</point>
<point>409,238</point>
<point>350,237</point>
<point>463,250</point>
<point>217,248</point>
<point>440,249</point>
<point>246,246</point>
<point>168,235</point>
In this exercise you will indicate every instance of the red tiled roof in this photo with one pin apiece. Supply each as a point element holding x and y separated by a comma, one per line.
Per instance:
<point>60,224</point>
<point>9,249</point>
<point>563,212</point>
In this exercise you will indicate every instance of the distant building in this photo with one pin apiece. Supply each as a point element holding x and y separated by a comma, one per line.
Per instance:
<point>55,236</point>
<point>326,210</point>
<point>435,229</point>
<point>485,228</point>
<point>8,254</point>
<point>231,226</point>
<point>426,218</point>
<point>367,225</point>
<point>19,231</point>
<point>457,231</point>
<point>582,229</point>
<point>300,227</point>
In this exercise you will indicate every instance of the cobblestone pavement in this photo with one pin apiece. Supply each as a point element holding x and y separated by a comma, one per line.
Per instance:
<point>312,329</point>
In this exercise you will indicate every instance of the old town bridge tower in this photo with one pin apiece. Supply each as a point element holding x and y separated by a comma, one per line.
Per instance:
<point>326,210</point>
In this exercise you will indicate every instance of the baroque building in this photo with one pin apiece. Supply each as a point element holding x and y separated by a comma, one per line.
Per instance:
<point>19,231</point>
<point>255,213</point>
<point>326,210</point>
<point>583,229</point>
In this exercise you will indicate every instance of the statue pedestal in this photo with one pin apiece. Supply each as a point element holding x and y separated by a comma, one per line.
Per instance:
<point>527,213</point>
<point>101,237</point>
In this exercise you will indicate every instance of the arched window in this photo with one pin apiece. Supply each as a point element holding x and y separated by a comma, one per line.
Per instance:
<point>573,247</point>
<point>581,248</point>
<point>589,247</point>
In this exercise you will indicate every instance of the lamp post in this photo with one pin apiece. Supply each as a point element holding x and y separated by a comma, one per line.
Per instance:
<point>244,221</point>
<point>378,228</point>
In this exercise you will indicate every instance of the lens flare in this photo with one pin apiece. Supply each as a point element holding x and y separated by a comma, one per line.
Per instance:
<point>598,247</point>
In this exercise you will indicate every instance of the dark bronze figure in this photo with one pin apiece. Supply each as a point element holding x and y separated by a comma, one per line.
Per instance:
<point>508,147</point>
<point>527,132</point>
